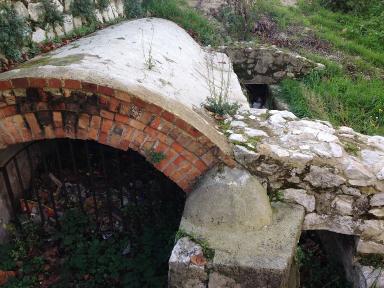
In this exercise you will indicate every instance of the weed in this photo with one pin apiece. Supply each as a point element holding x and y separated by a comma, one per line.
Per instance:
<point>219,89</point>
<point>13,33</point>
<point>83,8</point>
<point>102,4</point>
<point>208,252</point>
<point>133,8</point>
<point>276,196</point>
<point>51,13</point>
<point>147,55</point>
<point>154,156</point>
<point>351,148</point>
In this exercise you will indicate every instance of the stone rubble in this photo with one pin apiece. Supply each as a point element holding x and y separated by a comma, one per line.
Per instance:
<point>335,173</point>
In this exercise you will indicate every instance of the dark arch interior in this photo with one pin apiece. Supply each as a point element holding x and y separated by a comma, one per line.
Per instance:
<point>258,95</point>
<point>109,214</point>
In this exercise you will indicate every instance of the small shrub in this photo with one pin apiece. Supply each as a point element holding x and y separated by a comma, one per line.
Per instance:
<point>102,4</point>
<point>13,32</point>
<point>84,8</point>
<point>133,8</point>
<point>51,13</point>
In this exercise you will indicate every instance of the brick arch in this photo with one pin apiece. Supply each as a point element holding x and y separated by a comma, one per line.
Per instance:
<point>40,108</point>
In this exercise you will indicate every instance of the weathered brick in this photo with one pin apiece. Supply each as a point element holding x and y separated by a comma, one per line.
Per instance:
<point>113,105</point>
<point>72,84</point>
<point>138,102</point>
<point>57,119</point>
<point>177,147</point>
<point>5,85</point>
<point>95,122</point>
<point>122,118</point>
<point>59,132</point>
<point>168,116</point>
<point>182,124</point>
<point>93,134</point>
<point>90,87</point>
<point>153,109</point>
<point>124,96</point>
<point>146,118</point>
<point>83,122</point>
<point>200,165</point>
<point>136,124</point>
<point>106,114</point>
<point>33,124</point>
<point>106,125</point>
<point>37,82</point>
<point>106,90</point>
<point>194,132</point>
<point>20,83</point>
<point>54,83</point>
<point>208,158</point>
<point>49,132</point>
<point>7,111</point>
<point>103,138</point>
<point>155,123</point>
<point>189,156</point>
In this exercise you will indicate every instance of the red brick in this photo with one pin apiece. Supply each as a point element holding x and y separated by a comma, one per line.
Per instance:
<point>168,116</point>
<point>7,111</point>
<point>82,134</point>
<point>170,156</point>
<point>122,118</point>
<point>49,132</point>
<point>103,138</point>
<point>146,118</point>
<point>83,122</point>
<point>194,132</point>
<point>113,105</point>
<point>20,83</point>
<point>37,82</point>
<point>90,87</point>
<point>72,84</point>
<point>182,124</point>
<point>189,156</point>
<point>106,125</point>
<point>57,119</point>
<point>106,90</point>
<point>153,109</point>
<point>178,160</point>
<point>170,169</point>
<point>151,132</point>
<point>138,102</point>
<point>93,134</point>
<point>95,122</point>
<point>136,124</point>
<point>208,158</point>
<point>106,114</point>
<point>104,101</point>
<point>33,124</point>
<point>5,85</point>
<point>54,83</point>
<point>123,96</point>
<point>200,165</point>
<point>177,147</point>
<point>59,132</point>
<point>156,123</point>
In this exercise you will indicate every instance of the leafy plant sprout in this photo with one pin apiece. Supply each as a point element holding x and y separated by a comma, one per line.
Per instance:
<point>219,89</point>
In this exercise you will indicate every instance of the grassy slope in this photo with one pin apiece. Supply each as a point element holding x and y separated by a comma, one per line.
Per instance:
<point>354,100</point>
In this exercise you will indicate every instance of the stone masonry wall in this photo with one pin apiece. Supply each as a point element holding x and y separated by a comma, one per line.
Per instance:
<point>337,174</point>
<point>262,64</point>
<point>33,10</point>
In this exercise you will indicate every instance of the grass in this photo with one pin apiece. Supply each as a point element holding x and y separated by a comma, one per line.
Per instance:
<point>200,27</point>
<point>354,99</point>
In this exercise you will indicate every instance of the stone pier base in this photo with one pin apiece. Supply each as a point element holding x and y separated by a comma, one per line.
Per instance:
<point>244,256</point>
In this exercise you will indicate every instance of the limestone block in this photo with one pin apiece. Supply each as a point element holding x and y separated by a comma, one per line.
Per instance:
<point>77,23</point>
<point>50,33</point>
<point>378,212</point>
<point>301,197</point>
<point>343,204</point>
<point>245,156</point>
<point>119,7</point>
<point>250,132</point>
<point>105,15</point>
<point>58,5</point>
<point>323,177</point>
<point>35,11</point>
<point>98,16</point>
<point>38,36</point>
<point>338,224</point>
<point>68,24</point>
<point>20,9</point>
<point>237,138</point>
<point>369,247</point>
<point>183,273</point>
<point>372,230</point>
<point>59,30</point>
<point>217,280</point>
<point>377,200</point>
<point>374,278</point>
<point>67,5</point>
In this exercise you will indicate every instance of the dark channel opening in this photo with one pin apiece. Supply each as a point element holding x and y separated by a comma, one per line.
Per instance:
<point>326,259</point>
<point>259,95</point>
<point>91,216</point>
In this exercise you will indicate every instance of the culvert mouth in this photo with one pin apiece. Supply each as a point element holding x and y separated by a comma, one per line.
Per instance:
<point>259,95</point>
<point>100,216</point>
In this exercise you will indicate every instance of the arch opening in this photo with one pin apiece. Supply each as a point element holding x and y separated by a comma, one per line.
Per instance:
<point>37,108</point>
<point>86,200</point>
